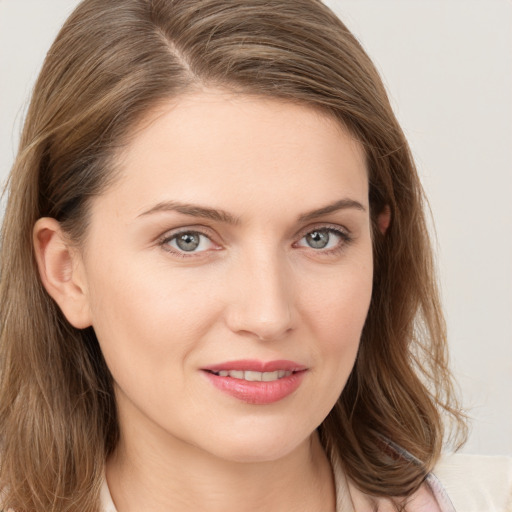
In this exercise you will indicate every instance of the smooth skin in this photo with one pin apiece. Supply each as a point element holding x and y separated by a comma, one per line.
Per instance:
<point>239,228</point>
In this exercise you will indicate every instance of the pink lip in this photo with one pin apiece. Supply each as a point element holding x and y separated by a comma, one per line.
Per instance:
<point>258,393</point>
<point>257,366</point>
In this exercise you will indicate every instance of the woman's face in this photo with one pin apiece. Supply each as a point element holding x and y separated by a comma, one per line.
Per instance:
<point>234,247</point>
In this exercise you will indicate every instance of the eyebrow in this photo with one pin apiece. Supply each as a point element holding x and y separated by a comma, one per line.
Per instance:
<point>194,211</point>
<point>215,214</point>
<point>342,204</point>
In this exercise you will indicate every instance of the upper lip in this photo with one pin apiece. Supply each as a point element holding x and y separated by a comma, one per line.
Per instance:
<point>257,366</point>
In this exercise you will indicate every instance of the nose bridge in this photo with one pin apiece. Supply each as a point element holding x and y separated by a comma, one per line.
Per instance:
<point>263,300</point>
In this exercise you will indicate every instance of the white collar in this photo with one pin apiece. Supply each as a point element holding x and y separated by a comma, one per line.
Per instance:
<point>107,505</point>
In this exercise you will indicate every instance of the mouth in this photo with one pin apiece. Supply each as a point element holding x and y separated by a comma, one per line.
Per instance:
<point>253,376</point>
<point>256,382</point>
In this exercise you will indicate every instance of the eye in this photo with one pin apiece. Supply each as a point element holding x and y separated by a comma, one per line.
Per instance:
<point>188,242</point>
<point>324,239</point>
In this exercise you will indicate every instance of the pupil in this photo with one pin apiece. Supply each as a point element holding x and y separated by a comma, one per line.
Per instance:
<point>188,241</point>
<point>318,239</point>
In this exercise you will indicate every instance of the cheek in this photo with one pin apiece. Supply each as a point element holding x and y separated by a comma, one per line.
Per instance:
<point>337,304</point>
<point>145,319</point>
<point>336,313</point>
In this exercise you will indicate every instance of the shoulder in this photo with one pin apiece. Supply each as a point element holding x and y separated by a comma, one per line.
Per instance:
<point>477,483</point>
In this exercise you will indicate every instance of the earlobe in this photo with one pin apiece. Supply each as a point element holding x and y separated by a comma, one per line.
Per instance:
<point>384,219</point>
<point>61,271</point>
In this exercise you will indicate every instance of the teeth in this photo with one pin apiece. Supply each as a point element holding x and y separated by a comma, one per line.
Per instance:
<point>254,376</point>
<point>268,376</point>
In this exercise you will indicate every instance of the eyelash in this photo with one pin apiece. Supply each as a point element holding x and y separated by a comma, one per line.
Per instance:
<point>167,239</point>
<point>345,237</point>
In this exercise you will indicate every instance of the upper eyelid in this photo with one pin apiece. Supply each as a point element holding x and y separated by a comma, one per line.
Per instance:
<point>319,226</point>
<point>172,233</point>
<point>211,235</point>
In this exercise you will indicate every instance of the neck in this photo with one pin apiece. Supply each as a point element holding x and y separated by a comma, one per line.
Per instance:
<point>156,472</point>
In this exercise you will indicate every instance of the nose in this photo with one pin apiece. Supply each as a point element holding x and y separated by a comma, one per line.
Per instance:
<point>261,299</point>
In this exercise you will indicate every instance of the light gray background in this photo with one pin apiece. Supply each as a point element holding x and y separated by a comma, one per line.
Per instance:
<point>447,65</point>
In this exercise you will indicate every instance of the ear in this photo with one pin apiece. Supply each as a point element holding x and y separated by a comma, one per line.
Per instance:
<point>61,271</point>
<point>384,219</point>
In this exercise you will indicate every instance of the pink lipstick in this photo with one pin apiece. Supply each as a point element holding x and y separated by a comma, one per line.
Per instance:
<point>256,382</point>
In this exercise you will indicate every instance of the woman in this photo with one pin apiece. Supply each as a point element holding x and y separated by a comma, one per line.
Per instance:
<point>216,230</point>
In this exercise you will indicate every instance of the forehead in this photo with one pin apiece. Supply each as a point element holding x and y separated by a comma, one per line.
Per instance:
<point>215,146</point>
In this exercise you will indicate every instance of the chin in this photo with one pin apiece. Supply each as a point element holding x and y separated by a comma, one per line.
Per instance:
<point>258,445</point>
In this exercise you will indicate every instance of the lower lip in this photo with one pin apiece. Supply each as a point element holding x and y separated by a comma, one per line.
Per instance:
<point>258,393</point>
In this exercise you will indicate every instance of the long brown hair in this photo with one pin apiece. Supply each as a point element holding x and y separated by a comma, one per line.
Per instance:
<point>110,64</point>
